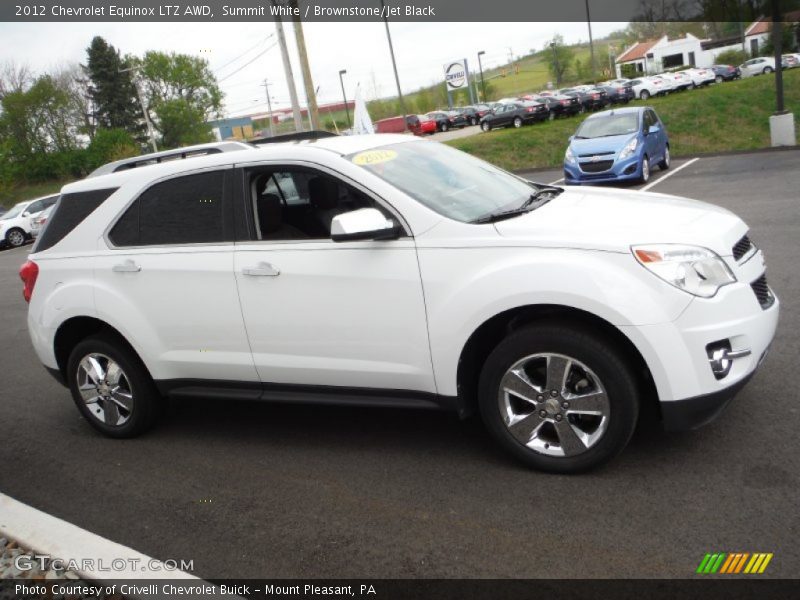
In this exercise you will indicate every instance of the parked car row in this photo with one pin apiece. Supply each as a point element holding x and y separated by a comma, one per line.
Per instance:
<point>17,225</point>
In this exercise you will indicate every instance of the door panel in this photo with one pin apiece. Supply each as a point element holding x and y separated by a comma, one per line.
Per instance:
<point>336,314</point>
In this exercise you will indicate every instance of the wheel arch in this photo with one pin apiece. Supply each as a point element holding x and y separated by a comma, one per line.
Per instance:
<point>76,329</point>
<point>489,334</point>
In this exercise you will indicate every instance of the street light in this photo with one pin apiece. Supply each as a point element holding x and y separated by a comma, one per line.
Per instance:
<point>480,66</point>
<point>346,110</point>
<point>148,123</point>
<point>555,61</point>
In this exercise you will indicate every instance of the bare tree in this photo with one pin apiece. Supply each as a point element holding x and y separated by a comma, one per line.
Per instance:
<point>14,77</point>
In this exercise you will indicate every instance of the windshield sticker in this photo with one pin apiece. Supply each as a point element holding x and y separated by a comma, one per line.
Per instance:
<point>374,157</point>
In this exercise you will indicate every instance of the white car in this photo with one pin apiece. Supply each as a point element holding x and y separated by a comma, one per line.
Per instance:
<point>664,84</point>
<point>39,221</point>
<point>678,81</point>
<point>15,225</point>
<point>645,87</point>
<point>761,65</point>
<point>700,77</point>
<point>382,270</point>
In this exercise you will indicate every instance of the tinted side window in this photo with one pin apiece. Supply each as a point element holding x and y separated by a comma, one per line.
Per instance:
<point>183,210</point>
<point>70,212</point>
<point>35,207</point>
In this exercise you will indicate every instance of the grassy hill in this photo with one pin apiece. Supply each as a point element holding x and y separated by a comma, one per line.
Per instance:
<point>727,116</point>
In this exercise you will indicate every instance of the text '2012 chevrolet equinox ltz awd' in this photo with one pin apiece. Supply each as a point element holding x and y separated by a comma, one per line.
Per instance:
<point>383,270</point>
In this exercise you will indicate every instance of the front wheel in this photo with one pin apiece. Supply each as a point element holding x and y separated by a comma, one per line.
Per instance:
<point>517,122</point>
<point>486,126</point>
<point>473,121</point>
<point>560,398</point>
<point>15,238</point>
<point>718,79</point>
<point>664,164</point>
<point>444,127</point>
<point>645,177</point>
<point>767,70</point>
<point>551,116</point>
<point>112,388</point>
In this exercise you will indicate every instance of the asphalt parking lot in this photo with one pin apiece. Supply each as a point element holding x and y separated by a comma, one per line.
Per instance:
<point>287,491</point>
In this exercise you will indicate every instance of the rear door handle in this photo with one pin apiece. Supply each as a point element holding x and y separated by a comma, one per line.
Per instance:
<point>126,267</point>
<point>264,269</point>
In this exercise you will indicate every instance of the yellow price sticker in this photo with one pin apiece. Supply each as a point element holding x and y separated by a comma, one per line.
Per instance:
<point>374,157</point>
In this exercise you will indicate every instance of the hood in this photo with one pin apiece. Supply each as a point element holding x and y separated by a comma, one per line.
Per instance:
<point>601,145</point>
<point>612,219</point>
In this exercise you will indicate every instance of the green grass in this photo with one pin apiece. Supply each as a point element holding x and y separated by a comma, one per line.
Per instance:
<point>723,117</point>
<point>18,193</point>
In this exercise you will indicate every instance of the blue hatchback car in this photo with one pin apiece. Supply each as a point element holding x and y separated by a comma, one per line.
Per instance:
<point>622,144</point>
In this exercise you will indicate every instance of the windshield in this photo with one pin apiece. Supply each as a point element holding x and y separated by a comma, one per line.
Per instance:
<point>15,210</point>
<point>623,124</point>
<point>446,180</point>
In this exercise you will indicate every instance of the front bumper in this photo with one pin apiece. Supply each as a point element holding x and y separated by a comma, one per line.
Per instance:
<point>621,170</point>
<point>692,413</point>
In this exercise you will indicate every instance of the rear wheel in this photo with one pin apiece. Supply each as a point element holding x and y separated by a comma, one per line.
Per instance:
<point>558,397</point>
<point>444,127</point>
<point>718,79</point>
<point>664,164</point>
<point>552,116</point>
<point>112,388</point>
<point>767,70</point>
<point>486,126</point>
<point>517,122</point>
<point>473,121</point>
<point>15,238</point>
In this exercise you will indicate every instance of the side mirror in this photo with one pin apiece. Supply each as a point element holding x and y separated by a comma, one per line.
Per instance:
<point>363,224</point>
<point>26,214</point>
<point>652,129</point>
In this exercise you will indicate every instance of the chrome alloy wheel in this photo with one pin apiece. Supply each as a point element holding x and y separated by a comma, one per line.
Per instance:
<point>105,388</point>
<point>554,404</point>
<point>16,238</point>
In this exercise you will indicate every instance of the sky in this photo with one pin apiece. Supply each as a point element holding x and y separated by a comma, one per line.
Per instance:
<point>362,49</point>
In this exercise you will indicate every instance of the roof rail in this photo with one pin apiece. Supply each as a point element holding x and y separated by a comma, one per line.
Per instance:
<point>295,137</point>
<point>147,160</point>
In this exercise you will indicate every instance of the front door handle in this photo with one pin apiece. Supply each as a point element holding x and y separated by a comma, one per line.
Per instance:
<point>264,269</point>
<point>126,267</point>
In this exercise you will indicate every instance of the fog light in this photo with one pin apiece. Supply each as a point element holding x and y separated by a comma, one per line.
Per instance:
<point>630,169</point>
<point>721,357</point>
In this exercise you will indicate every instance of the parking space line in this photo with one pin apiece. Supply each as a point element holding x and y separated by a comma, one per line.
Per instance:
<point>668,175</point>
<point>556,181</point>
<point>42,533</point>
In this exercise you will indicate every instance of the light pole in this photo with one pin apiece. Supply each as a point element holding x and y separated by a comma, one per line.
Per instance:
<point>591,42</point>
<point>344,96</point>
<point>394,68</point>
<point>555,63</point>
<point>480,66</point>
<point>266,85</point>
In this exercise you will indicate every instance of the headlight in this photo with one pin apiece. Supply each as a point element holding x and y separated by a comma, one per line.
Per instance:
<point>693,269</point>
<point>629,148</point>
<point>569,156</point>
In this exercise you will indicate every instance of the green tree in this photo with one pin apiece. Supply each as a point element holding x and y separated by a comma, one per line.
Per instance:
<point>559,57</point>
<point>109,145</point>
<point>112,89</point>
<point>183,94</point>
<point>731,57</point>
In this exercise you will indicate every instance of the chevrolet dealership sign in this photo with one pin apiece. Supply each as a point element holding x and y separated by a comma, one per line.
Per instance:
<point>455,75</point>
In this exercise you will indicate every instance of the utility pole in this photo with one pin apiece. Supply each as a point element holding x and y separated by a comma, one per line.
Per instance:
<point>344,97</point>
<point>394,66</point>
<point>591,42</point>
<point>480,66</point>
<point>311,97</point>
<point>150,132</point>
<point>510,56</point>
<point>266,85</point>
<point>555,62</point>
<point>287,69</point>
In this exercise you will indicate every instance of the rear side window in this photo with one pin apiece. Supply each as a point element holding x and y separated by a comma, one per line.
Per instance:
<point>183,210</point>
<point>70,211</point>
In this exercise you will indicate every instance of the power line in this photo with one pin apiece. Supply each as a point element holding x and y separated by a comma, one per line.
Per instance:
<point>230,62</point>
<point>248,63</point>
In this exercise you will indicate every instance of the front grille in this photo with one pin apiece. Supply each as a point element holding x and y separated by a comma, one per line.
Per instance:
<point>742,247</point>
<point>762,292</point>
<point>596,167</point>
<point>596,154</point>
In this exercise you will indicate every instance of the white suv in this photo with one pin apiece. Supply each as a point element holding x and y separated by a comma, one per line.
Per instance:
<point>384,270</point>
<point>16,226</point>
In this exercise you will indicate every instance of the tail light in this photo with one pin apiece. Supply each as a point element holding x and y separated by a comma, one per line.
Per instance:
<point>565,102</point>
<point>620,90</point>
<point>595,96</point>
<point>28,272</point>
<point>529,109</point>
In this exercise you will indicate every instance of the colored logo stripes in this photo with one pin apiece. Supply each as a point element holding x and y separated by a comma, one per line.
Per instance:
<point>734,562</point>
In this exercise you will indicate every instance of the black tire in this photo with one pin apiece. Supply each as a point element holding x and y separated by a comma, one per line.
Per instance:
<point>444,127</point>
<point>473,121</point>
<point>719,79</point>
<point>486,126</point>
<point>645,176</point>
<point>664,164</point>
<point>579,343</point>
<point>517,122</point>
<point>551,116</point>
<point>767,70</point>
<point>15,237</point>
<point>147,403</point>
